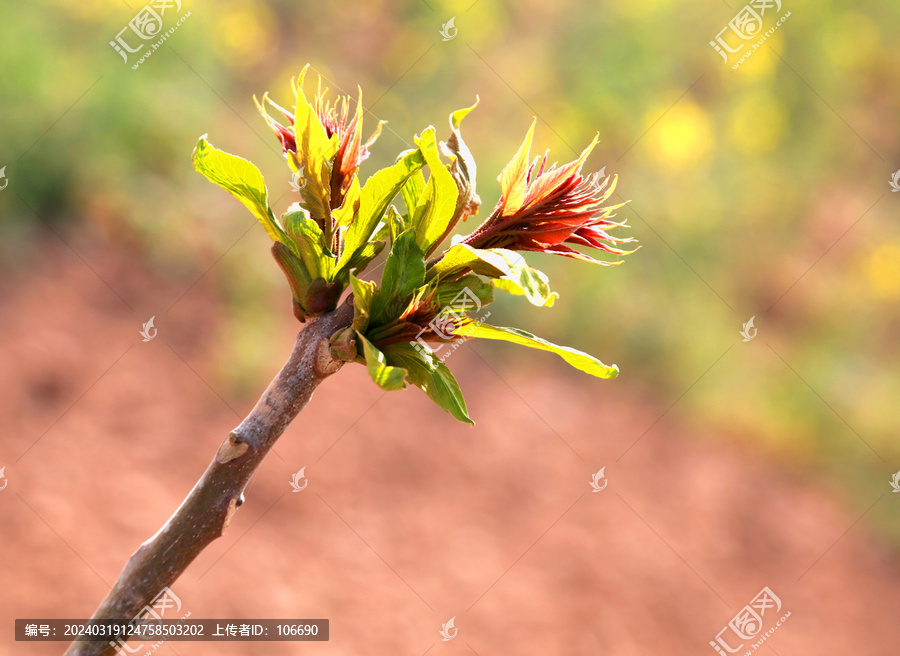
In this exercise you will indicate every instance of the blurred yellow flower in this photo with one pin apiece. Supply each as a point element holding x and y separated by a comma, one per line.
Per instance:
<point>246,34</point>
<point>761,65</point>
<point>883,271</point>
<point>488,22</point>
<point>756,123</point>
<point>682,137</point>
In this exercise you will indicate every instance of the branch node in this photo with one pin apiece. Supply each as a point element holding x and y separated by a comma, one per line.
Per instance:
<point>326,364</point>
<point>343,345</point>
<point>233,447</point>
<point>232,508</point>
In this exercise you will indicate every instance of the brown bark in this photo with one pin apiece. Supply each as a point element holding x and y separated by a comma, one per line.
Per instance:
<point>205,513</point>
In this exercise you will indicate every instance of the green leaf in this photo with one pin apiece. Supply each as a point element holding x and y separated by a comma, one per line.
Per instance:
<point>383,233</point>
<point>241,179</point>
<point>412,192</point>
<point>508,268</point>
<point>387,377</point>
<point>361,260</point>
<point>461,257</point>
<point>457,117</point>
<point>315,154</point>
<point>395,223</point>
<point>308,241</point>
<point>514,177</point>
<point>448,290</point>
<point>531,283</point>
<point>343,215</point>
<point>375,198</point>
<point>404,271</point>
<point>310,134</point>
<point>463,168</point>
<point>427,372</point>
<point>437,205</point>
<point>363,294</point>
<point>294,270</point>
<point>574,357</point>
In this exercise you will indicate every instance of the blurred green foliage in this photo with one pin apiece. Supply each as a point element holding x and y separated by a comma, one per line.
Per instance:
<point>739,181</point>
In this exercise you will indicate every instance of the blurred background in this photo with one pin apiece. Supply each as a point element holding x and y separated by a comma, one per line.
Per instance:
<point>758,192</point>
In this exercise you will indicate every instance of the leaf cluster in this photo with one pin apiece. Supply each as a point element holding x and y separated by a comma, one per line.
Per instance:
<point>424,298</point>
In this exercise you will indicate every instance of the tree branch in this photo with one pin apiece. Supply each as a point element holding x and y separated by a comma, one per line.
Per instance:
<point>204,515</point>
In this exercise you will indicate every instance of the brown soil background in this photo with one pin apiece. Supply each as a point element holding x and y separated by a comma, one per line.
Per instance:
<point>409,518</point>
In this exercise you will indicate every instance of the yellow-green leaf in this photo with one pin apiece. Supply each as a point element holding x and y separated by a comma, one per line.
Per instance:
<point>508,269</point>
<point>385,376</point>
<point>315,153</point>
<point>513,179</point>
<point>308,241</point>
<point>463,168</point>
<point>437,205</point>
<point>404,272</point>
<point>295,271</point>
<point>361,260</point>
<point>427,372</point>
<point>412,192</point>
<point>241,179</point>
<point>530,283</point>
<point>363,294</point>
<point>578,359</point>
<point>374,200</point>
